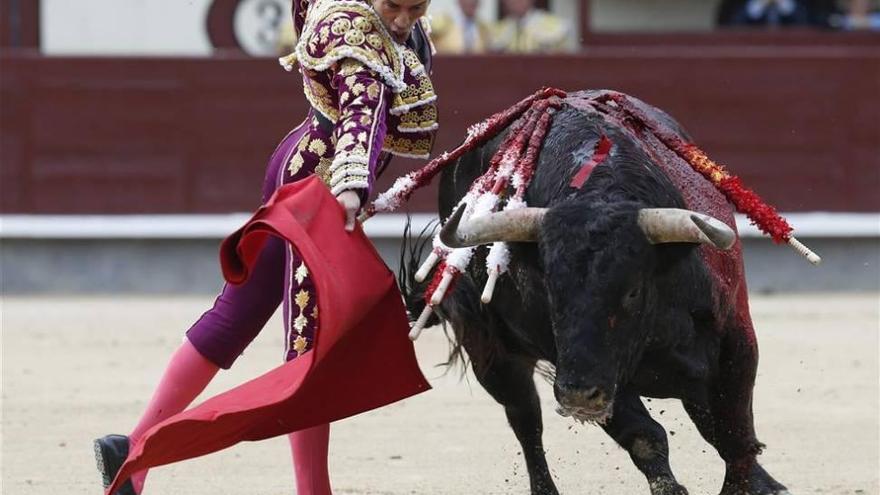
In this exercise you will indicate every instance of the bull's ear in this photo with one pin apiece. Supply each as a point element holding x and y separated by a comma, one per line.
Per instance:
<point>662,225</point>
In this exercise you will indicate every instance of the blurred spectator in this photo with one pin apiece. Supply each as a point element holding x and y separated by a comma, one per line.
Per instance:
<point>859,15</point>
<point>462,32</point>
<point>526,29</point>
<point>815,13</point>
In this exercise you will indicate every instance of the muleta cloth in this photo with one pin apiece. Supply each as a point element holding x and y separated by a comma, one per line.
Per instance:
<point>361,360</point>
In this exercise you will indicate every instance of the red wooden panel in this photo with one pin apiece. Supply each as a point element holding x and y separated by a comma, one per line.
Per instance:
<point>107,181</point>
<point>12,172</point>
<point>799,123</point>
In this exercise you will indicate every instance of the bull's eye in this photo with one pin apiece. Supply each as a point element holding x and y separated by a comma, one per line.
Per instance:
<point>633,294</point>
<point>631,299</point>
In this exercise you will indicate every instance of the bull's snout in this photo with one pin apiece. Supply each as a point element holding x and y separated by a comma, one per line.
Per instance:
<point>584,387</point>
<point>590,400</point>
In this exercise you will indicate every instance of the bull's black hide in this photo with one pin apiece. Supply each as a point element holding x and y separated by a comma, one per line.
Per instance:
<point>619,318</point>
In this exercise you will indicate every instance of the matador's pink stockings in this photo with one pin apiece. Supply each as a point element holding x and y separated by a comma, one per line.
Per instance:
<point>310,460</point>
<point>184,379</point>
<point>187,375</point>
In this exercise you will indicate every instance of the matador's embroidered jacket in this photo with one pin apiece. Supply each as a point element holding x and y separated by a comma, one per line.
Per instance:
<point>368,94</point>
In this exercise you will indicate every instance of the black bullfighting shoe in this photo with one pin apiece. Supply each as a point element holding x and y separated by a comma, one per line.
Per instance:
<point>110,452</point>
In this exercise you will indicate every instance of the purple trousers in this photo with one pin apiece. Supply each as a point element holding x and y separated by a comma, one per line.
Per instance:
<point>241,311</point>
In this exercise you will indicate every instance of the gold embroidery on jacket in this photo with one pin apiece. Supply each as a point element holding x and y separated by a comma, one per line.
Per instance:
<point>406,146</point>
<point>350,66</point>
<point>302,298</point>
<point>301,273</point>
<point>355,37</point>
<point>296,163</point>
<point>373,90</point>
<point>374,40</point>
<point>420,118</point>
<point>362,24</point>
<point>300,344</point>
<point>317,146</point>
<point>338,18</point>
<point>322,170</point>
<point>340,26</point>
<point>415,93</point>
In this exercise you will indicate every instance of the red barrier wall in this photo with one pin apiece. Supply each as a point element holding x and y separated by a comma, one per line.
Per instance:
<point>799,122</point>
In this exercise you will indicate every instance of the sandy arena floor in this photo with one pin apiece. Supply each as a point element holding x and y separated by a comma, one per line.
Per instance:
<point>74,369</point>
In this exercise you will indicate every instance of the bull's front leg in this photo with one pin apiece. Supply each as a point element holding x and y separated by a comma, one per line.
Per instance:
<point>510,382</point>
<point>507,377</point>
<point>727,421</point>
<point>632,427</point>
<point>744,476</point>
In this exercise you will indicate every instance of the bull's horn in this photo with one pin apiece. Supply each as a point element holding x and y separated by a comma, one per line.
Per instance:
<point>676,225</point>
<point>519,225</point>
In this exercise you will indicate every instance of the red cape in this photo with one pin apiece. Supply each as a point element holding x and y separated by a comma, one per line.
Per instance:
<point>361,359</point>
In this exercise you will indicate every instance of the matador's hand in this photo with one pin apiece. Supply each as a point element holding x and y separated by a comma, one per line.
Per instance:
<point>351,203</point>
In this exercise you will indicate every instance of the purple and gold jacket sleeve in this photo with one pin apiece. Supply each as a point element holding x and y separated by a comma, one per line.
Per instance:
<point>360,129</point>
<point>374,92</point>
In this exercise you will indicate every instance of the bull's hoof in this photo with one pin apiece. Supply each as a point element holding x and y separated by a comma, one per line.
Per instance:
<point>544,490</point>
<point>751,491</point>
<point>766,486</point>
<point>666,486</point>
<point>543,486</point>
<point>759,482</point>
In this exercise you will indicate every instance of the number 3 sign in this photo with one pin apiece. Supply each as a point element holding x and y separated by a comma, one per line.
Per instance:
<point>252,26</point>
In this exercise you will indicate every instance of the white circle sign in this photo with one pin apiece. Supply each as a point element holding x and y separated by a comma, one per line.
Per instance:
<point>258,23</point>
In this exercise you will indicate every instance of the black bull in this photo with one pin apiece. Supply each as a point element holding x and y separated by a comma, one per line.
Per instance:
<point>617,316</point>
